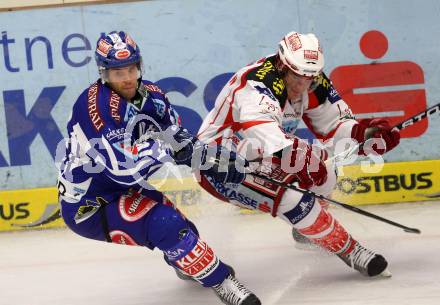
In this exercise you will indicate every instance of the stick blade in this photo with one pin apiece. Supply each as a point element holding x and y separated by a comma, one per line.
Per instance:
<point>413,230</point>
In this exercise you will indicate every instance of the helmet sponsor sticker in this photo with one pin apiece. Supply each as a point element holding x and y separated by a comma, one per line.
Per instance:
<point>310,55</point>
<point>103,47</point>
<point>294,42</point>
<point>120,45</point>
<point>122,54</point>
<point>130,41</point>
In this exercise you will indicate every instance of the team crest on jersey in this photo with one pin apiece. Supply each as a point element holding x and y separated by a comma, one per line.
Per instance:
<point>160,107</point>
<point>130,112</point>
<point>86,211</point>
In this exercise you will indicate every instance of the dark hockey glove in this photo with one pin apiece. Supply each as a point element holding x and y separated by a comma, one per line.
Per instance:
<point>379,131</point>
<point>212,160</point>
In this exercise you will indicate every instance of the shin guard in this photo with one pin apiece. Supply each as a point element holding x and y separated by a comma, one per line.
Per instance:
<point>328,233</point>
<point>193,257</point>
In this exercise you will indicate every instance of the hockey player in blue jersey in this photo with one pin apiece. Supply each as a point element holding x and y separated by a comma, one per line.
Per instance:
<point>112,151</point>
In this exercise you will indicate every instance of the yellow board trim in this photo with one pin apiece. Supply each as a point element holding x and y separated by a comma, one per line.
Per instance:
<point>396,182</point>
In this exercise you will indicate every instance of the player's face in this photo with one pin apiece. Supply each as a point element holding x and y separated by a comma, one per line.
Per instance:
<point>124,80</point>
<point>296,85</point>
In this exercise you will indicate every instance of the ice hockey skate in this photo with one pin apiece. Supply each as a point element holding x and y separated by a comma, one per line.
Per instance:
<point>232,292</point>
<point>302,242</point>
<point>367,262</point>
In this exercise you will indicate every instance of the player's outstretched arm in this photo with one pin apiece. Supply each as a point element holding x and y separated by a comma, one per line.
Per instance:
<point>215,161</point>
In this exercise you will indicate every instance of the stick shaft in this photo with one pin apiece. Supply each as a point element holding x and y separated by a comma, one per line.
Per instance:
<point>402,125</point>
<point>343,205</point>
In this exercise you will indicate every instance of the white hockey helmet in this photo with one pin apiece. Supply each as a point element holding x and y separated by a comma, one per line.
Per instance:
<point>302,54</point>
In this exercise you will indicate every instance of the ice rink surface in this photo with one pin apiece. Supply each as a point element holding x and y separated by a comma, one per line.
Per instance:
<point>59,268</point>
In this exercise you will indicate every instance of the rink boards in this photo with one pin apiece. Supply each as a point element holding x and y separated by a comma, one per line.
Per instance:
<point>395,182</point>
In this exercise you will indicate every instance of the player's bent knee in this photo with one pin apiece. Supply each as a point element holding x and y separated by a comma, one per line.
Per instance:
<point>164,226</point>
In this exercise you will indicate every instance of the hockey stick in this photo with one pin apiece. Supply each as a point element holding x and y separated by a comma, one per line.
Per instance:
<point>402,125</point>
<point>343,205</point>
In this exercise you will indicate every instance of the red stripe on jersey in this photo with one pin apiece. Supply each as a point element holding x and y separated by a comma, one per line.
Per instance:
<point>215,118</point>
<point>318,135</point>
<point>331,133</point>
<point>313,101</point>
<point>229,119</point>
<point>246,125</point>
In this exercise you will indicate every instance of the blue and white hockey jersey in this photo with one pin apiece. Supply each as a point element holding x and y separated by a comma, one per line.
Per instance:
<point>110,148</point>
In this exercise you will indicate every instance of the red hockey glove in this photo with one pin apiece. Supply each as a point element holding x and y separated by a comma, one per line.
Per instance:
<point>377,129</point>
<point>307,163</point>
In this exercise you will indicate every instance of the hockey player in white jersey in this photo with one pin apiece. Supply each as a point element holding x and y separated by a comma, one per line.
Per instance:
<point>257,113</point>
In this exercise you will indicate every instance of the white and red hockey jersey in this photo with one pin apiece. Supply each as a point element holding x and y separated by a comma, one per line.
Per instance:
<point>253,116</point>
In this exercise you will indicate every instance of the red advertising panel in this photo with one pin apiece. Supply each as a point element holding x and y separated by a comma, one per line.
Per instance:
<point>370,89</point>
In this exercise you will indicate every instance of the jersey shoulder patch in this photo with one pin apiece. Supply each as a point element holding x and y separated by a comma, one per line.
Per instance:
<point>150,87</point>
<point>273,84</point>
<point>324,90</point>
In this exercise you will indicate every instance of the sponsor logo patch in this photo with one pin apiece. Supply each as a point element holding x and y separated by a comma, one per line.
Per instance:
<point>199,262</point>
<point>115,99</point>
<point>122,54</point>
<point>153,88</point>
<point>294,42</point>
<point>301,210</point>
<point>130,41</point>
<point>103,47</point>
<point>310,55</point>
<point>134,207</point>
<point>92,106</point>
<point>122,238</point>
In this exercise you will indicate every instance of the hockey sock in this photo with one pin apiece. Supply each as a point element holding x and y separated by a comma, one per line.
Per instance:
<point>329,234</point>
<point>195,258</point>
<point>178,238</point>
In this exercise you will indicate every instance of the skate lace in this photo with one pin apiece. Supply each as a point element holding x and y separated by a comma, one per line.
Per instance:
<point>231,291</point>
<point>360,257</point>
